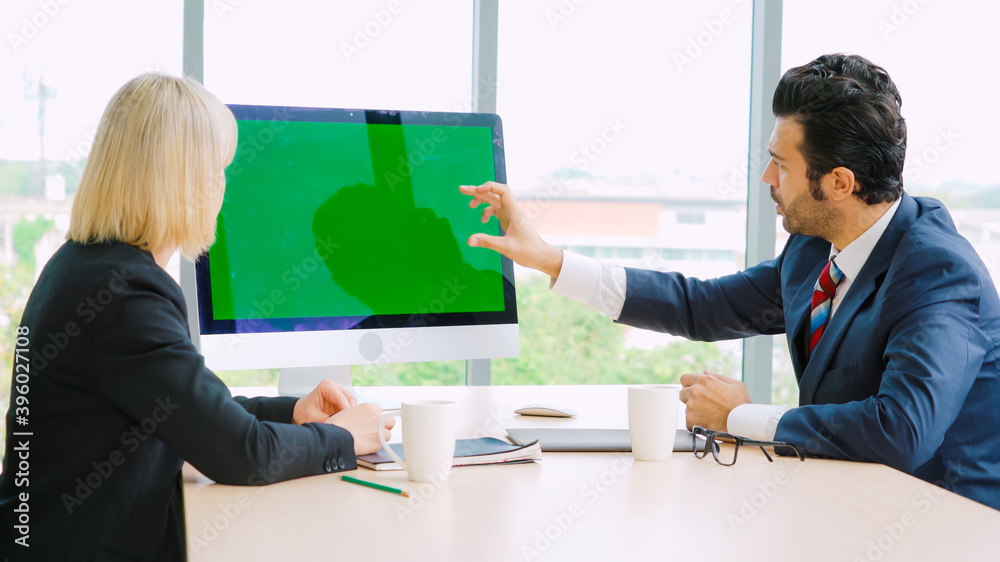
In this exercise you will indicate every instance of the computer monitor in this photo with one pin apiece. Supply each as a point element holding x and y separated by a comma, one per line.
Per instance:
<point>342,240</point>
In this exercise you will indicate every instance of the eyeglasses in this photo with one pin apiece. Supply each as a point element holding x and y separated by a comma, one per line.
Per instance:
<point>704,439</point>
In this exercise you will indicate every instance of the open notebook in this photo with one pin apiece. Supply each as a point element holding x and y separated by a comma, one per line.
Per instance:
<point>485,450</point>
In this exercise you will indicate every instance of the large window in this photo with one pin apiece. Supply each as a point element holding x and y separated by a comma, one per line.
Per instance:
<point>626,129</point>
<point>940,57</point>
<point>59,66</point>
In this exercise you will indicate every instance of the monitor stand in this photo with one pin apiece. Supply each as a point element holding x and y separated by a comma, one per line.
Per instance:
<point>299,381</point>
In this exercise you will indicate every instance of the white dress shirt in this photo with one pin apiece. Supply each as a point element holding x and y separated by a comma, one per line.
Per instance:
<point>602,286</point>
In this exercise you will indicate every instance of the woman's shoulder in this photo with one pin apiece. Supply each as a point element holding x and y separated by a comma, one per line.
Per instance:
<point>102,272</point>
<point>91,291</point>
<point>97,262</point>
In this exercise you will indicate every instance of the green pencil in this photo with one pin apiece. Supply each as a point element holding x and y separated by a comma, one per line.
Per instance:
<point>403,493</point>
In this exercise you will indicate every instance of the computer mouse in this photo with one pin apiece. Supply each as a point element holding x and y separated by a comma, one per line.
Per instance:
<point>546,410</point>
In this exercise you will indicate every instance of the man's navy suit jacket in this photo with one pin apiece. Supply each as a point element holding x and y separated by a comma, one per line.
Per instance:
<point>906,372</point>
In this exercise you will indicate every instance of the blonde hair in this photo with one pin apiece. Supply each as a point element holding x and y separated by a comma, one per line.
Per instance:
<point>154,176</point>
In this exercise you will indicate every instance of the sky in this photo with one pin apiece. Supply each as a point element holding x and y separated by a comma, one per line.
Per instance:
<point>653,88</point>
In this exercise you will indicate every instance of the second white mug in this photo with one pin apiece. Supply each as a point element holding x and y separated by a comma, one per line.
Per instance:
<point>652,420</point>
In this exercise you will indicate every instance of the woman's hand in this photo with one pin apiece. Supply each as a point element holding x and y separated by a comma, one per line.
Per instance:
<point>520,242</point>
<point>363,423</point>
<point>325,400</point>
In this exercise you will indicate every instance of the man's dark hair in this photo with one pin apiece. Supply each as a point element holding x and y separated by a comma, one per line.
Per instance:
<point>849,112</point>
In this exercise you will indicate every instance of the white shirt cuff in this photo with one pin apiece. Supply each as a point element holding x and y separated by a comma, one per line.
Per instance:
<point>577,277</point>
<point>755,421</point>
<point>593,282</point>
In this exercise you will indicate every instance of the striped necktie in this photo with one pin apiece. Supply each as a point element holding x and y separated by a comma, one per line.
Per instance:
<point>826,288</point>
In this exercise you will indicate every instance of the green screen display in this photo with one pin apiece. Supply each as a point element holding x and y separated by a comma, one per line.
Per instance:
<point>353,219</point>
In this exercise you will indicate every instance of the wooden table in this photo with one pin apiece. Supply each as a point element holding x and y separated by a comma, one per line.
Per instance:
<point>590,506</point>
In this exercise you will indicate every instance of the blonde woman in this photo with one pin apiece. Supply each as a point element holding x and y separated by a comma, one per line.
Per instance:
<point>117,396</point>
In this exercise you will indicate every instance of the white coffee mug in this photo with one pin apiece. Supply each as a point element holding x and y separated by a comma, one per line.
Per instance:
<point>652,420</point>
<point>428,439</point>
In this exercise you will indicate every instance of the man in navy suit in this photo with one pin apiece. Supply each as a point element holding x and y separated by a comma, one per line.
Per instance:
<point>892,320</point>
